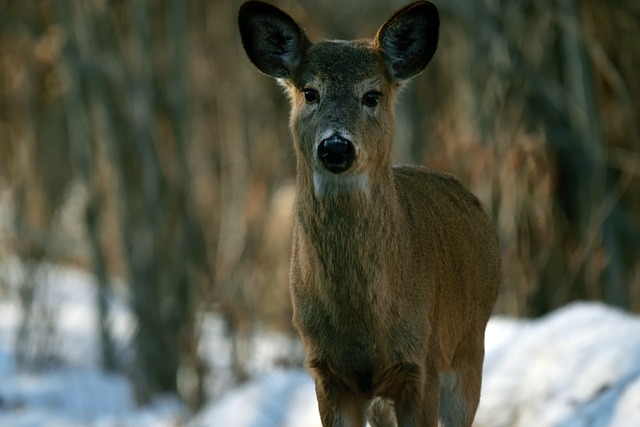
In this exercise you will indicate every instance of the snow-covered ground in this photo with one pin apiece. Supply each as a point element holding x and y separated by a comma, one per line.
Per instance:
<point>68,389</point>
<point>579,366</point>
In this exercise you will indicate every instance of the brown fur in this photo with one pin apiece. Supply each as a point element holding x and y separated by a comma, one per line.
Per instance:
<point>394,270</point>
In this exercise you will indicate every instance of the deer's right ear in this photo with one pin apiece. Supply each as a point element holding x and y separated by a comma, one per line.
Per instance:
<point>272,39</point>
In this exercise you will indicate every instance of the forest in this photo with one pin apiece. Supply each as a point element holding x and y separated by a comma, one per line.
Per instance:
<point>138,143</point>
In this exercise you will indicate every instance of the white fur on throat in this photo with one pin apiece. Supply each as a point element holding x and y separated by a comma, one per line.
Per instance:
<point>328,184</point>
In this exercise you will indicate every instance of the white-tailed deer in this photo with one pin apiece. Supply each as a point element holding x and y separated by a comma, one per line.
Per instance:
<point>394,270</point>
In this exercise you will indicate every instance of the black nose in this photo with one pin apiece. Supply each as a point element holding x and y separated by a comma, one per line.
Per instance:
<point>336,153</point>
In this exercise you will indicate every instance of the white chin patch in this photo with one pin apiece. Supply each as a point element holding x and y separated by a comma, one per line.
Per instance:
<point>328,184</point>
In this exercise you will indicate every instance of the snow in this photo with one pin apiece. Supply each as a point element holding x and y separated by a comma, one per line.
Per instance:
<point>579,366</point>
<point>69,390</point>
<point>576,367</point>
<point>283,399</point>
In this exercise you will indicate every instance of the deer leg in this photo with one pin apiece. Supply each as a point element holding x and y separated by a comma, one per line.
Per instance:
<point>338,406</point>
<point>417,404</point>
<point>460,388</point>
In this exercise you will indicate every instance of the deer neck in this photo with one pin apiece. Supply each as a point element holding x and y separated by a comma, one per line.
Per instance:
<point>350,232</point>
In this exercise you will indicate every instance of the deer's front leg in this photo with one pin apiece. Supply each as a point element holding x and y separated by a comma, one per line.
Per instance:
<point>417,403</point>
<point>339,407</point>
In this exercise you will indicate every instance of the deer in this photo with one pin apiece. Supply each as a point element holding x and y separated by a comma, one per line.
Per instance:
<point>394,269</point>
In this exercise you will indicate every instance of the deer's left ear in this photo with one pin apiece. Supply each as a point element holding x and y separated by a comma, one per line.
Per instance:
<point>409,39</point>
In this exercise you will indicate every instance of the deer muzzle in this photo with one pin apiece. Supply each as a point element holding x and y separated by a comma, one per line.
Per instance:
<point>336,153</point>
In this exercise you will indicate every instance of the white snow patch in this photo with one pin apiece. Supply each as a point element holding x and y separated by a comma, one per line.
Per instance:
<point>73,391</point>
<point>569,368</point>
<point>280,399</point>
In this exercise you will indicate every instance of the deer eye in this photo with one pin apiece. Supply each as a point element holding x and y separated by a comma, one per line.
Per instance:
<point>311,95</point>
<point>371,99</point>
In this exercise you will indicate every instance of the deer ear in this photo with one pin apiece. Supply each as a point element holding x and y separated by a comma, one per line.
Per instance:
<point>272,39</point>
<point>409,39</point>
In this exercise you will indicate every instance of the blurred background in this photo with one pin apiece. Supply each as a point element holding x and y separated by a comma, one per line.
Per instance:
<point>138,143</point>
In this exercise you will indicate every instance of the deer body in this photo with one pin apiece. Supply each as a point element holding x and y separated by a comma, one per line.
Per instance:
<point>394,270</point>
